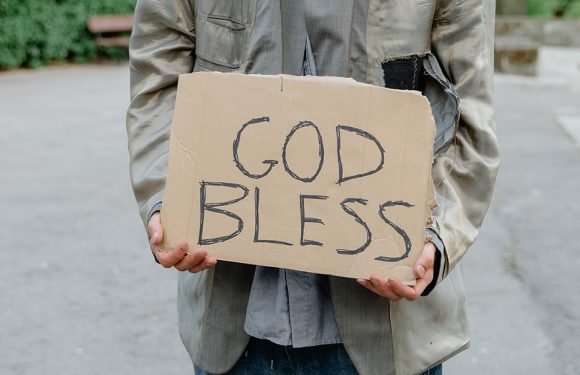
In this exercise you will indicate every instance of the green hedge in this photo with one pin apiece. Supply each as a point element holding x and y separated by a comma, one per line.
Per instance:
<point>36,32</point>
<point>549,8</point>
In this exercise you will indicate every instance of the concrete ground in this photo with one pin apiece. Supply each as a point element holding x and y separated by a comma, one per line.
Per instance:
<point>80,294</point>
<point>520,275</point>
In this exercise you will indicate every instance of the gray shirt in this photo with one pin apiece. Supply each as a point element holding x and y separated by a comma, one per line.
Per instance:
<point>289,307</point>
<point>294,308</point>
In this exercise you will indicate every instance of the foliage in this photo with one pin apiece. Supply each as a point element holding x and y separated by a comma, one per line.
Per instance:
<point>551,8</point>
<point>36,32</point>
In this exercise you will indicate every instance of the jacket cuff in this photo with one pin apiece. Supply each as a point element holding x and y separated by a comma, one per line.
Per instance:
<point>150,206</point>
<point>439,263</point>
<point>434,238</point>
<point>156,208</point>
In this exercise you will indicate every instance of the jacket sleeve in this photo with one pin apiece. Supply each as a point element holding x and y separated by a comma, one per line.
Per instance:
<point>464,172</point>
<point>161,48</point>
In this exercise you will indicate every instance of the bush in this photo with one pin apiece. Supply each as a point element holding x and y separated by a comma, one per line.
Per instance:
<point>36,32</point>
<point>551,8</point>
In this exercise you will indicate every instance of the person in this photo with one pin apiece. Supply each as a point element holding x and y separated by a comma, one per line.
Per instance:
<point>241,319</point>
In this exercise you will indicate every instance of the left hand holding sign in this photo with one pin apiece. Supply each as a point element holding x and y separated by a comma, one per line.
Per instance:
<point>178,257</point>
<point>394,289</point>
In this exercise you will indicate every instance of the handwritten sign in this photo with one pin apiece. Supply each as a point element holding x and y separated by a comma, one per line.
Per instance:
<point>317,174</point>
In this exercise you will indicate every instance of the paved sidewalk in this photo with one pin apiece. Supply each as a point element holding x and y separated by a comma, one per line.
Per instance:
<point>521,274</point>
<point>81,295</point>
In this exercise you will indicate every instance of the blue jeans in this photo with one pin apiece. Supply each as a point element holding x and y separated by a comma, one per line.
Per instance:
<point>265,358</point>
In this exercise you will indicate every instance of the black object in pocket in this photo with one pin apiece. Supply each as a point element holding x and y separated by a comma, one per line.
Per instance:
<point>423,73</point>
<point>404,73</point>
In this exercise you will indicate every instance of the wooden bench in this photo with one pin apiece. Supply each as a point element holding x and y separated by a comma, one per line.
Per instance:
<point>107,30</point>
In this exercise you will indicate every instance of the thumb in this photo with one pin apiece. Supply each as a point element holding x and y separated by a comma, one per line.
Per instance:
<point>425,260</point>
<point>419,271</point>
<point>155,230</point>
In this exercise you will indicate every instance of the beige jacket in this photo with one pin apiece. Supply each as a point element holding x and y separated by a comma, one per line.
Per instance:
<point>349,38</point>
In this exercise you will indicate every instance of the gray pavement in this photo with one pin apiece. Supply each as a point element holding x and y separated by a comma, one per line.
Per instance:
<point>79,291</point>
<point>521,274</point>
<point>80,294</point>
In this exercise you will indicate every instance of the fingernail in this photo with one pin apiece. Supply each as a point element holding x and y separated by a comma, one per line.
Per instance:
<point>420,271</point>
<point>154,237</point>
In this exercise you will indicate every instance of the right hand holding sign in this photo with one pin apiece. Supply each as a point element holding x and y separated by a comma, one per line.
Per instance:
<point>178,257</point>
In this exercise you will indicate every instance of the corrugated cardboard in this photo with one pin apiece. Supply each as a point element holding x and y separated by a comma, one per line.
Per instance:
<point>316,174</point>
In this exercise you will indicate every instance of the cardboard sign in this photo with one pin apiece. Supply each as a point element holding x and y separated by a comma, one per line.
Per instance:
<point>316,174</point>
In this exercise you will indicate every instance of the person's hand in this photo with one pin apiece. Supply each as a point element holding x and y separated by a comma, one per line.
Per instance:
<point>178,257</point>
<point>394,289</point>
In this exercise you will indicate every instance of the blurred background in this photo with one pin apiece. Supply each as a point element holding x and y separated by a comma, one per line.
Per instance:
<point>79,291</point>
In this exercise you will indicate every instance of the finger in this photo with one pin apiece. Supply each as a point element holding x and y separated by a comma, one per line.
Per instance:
<point>367,284</point>
<point>425,261</point>
<point>383,285</point>
<point>383,291</point>
<point>402,290</point>
<point>420,271</point>
<point>207,263</point>
<point>423,282</point>
<point>191,259</point>
<point>155,230</point>
<point>170,258</point>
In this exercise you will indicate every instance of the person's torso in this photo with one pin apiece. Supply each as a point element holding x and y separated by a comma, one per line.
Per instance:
<point>349,38</point>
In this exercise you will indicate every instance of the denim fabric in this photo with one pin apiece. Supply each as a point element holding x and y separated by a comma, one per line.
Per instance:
<point>265,358</point>
<point>437,370</point>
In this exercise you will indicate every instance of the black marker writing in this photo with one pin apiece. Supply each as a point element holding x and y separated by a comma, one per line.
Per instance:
<point>301,125</point>
<point>270,163</point>
<point>213,207</point>
<point>358,219</point>
<point>366,135</point>
<point>397,229</point>
<point>305,219</point>
<point>257,221</point>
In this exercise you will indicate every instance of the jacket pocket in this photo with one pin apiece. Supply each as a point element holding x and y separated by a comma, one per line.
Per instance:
<point>444,102</point>
<point>404,72</point>
<point>220,42</point>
